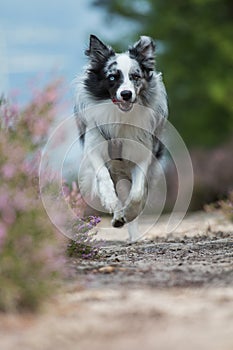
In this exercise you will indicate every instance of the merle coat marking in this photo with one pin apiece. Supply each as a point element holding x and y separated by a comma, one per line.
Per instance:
<point>121,109</point>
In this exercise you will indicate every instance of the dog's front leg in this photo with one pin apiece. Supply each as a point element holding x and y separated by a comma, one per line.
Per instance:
<point>97,157</point>
<point>106,190</point>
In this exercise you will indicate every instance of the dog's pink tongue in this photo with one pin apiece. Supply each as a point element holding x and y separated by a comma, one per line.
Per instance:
<point>114,100</point>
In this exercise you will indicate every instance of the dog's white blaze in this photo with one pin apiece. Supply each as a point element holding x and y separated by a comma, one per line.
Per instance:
<point>124,64</point>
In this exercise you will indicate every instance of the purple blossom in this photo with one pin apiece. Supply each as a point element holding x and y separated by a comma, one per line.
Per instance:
<point>8,114</point>
<point>4,198</point>
<point>3,233</point>
<point>94,220</point>
<point>8,170</point>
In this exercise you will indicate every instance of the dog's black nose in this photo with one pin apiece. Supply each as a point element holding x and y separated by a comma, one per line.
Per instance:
<point>126,95</point>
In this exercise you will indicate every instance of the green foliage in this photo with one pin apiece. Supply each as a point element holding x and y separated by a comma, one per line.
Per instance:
<point>195,53</point>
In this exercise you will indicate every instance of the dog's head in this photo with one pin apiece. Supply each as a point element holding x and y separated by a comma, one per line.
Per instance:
<point>119,77</point>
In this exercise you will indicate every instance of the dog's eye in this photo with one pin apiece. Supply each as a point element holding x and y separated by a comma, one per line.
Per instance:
<point>136,77</point>
<point>111,78</point>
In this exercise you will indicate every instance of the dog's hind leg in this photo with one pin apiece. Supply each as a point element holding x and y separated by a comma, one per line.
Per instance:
<point>137,196</point>
<point>133,231</point>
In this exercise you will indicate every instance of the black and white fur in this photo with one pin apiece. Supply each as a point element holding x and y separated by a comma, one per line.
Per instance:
<point>121,109</point>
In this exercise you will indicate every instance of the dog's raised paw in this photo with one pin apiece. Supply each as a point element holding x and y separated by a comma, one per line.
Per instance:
<point>118,222</point>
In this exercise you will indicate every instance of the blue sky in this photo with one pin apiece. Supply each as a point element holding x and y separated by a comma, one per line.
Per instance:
<point>41,37</point>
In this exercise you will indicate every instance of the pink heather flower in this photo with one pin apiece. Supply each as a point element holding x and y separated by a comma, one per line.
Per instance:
<point>54,261</point>
<point>3,232</point>
<point>8,214</point>
<point>31,165</point>
<point>8,114</point>
<point>66,191</point>
<point>78,212</point>
<point>20,201</point>
<point>7,210</point>
<point>14,110</point>
<point>40,128</point>
<point>51,95</point>
<point>4,198</point>
<point>8,171</point>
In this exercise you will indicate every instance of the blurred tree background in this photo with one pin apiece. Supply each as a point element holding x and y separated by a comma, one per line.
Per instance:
<point>196,58</point>
<point>195,54</point>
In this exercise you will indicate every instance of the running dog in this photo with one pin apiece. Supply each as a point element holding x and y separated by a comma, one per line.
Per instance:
<point>121,111</point>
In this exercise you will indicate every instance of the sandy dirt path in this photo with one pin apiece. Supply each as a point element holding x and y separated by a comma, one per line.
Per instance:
<point>168,291</point>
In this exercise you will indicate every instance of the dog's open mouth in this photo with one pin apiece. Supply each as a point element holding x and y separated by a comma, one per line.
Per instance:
<point>124,106</point>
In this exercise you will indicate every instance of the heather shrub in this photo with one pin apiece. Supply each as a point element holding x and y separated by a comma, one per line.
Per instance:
<point>32,252</point>
<point>84,244</point>
<point>30,249</point>
<point>226,206</point>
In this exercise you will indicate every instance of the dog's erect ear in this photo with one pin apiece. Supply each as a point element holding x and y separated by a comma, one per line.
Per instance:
<point>98,51</point>
<point>144,52</point>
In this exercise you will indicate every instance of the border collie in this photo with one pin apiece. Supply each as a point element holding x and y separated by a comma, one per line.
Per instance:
<point>121,109</point>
